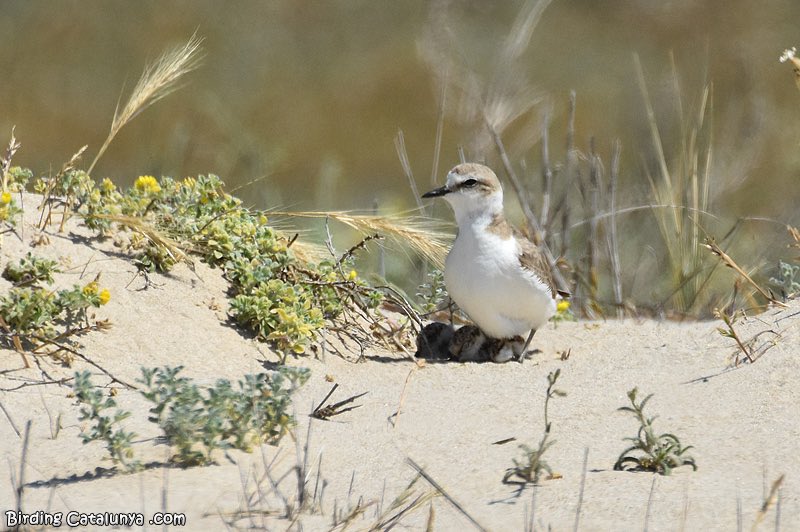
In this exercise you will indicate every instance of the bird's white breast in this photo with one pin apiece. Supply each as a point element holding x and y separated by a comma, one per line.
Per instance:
<point>484,277</point>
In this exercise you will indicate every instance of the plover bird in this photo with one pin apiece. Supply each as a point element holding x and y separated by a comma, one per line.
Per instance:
<point>467,345</point>
<point>495,274</point>
<point>433,341</point>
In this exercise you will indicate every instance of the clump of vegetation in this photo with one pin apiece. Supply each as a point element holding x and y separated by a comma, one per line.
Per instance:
<point>563,312</point>
<point>281,295</point>
<point>660,453</point>
<point>281,298</point>
<point>433,292</point>
<point>196,421</point>
<point>788,279</point>
<point>529,469</point>
<point>34,316</point>
<point>31,270</point>
<point>104,427</point>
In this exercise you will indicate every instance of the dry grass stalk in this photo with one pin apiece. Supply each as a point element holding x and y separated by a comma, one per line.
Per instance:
<point>405,230</point>
<point>402,154</point>
<point>795,234</point>
<point>408,501</point>
<point>789,55</point>
<point>158,80</point>
<point>547,177</point>
<point>140,225</point>
<point>326,412</point>
<point>730,332</point>
<point>769,502</point>
<point>437,148</point>
<point>47,196</point>
<point>5,161</point>
<point>730,263</point>
<point>686,185</point>
<point>613,242</point>
<point>444,494</point>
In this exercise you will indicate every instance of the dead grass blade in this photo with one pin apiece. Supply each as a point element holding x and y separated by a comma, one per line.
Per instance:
<point>408,501</point>
<point>795,234</point>
<point>326,412</point>
<point>416,232</point>
<point>730,263</point>
<point>683,181</point>
<point>158,80</point>
<point>769,502</point>
<point>5,161</point>
<point>444,494</point>
<point>140,225</point>
<point>47,196</point>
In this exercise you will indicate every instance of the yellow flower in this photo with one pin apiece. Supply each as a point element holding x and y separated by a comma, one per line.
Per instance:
<point>562,306</point>
<point>90,289</point>
<point>147,184</point>
<point>352,276</point>
<point>189,182</point>
<point>105,296</point>
<point>107,185</point>
<point>5,198</point>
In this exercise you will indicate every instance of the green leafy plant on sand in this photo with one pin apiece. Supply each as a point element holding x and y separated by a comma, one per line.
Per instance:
<point>104,427</point>
<point>432,293</point>
<point>529,469</point>
<point>196,420</point>
<point>281,297</point>
<point>788,279</point>
<point>33,317</point>
<point>31,270</point>
<point>660,453</point>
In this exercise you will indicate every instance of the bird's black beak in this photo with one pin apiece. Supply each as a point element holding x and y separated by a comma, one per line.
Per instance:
<point>441,191</point>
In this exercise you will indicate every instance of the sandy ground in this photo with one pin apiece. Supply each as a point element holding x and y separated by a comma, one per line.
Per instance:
<point>744,423</point>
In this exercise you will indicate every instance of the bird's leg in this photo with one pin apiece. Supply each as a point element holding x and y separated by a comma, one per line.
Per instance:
<point>525,347</point>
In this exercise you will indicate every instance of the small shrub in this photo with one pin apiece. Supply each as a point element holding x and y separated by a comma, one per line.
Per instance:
<point>31,270</point>
<point>104,427</point>
<point>432,293</point>
<point>658,453</point>
<point>280,312</point>
<point>788,279</point>
<point>14,180</point>
<point>197,421</point>
<point>34,314</point>
<point>30,311</point>
<point>283,300</point>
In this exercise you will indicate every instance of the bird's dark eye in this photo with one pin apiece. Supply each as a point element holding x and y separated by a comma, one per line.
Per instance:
<point>469,183</point>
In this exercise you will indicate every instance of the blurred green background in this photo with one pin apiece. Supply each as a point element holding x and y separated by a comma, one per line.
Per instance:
<point>303,100</point>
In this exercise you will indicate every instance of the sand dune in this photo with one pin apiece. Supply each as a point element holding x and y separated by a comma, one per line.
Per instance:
<point>743,423</point>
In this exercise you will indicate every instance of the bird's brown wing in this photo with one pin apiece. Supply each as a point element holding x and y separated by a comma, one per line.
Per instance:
<point>534,260</point>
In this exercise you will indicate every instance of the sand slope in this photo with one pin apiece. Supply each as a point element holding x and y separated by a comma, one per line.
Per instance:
<point>744,423</point>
